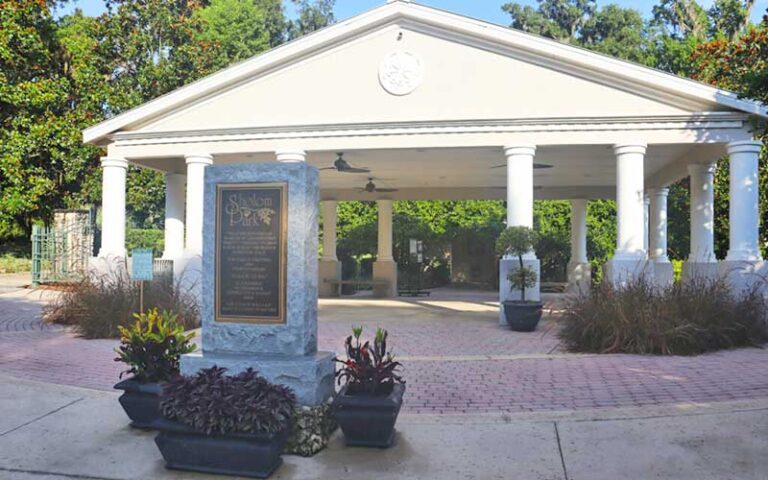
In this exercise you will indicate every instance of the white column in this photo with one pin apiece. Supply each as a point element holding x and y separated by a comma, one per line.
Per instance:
<point>196,164</point>
<point>658,224</point>
<point>385,231</point>
<point>663,271</point>
<point>520,185</point>
<point>329,231</point>
<point>629,200</point>
<point>579,271</point>
<point>329,267</point>
<point>646,222</point>
<point>629,260</point>
<point>702,202</point>
<point>291,155</point>
<point>174,215</point>
<point>519,213</point>
<point>114,172</point>
<point>744,216</point>
<point>385,268</point>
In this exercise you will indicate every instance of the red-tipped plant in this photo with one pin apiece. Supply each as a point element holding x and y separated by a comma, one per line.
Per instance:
<point>366,370</point>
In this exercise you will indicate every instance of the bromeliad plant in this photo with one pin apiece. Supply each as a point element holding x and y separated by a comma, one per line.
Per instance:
<point>366,370</point>
<point>152,346</point>
<point>214,403</point>
<point>517,241</point>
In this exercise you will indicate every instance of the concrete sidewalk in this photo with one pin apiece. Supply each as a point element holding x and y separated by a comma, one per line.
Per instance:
<point>50,432</point>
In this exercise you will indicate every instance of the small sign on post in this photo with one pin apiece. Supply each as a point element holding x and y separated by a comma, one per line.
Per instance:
<point>142,262</point>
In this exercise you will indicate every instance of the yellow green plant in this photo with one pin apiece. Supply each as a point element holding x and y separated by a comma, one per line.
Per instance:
<point>153,345</point>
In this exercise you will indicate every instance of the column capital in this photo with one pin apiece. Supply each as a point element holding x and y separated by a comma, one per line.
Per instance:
<point>510,150</point>
<point>702,168</point>
<point>204,158</point>
<point>291,155</point>
<point>745,146</point>
<point>116,162</point>
<point>629,148</point>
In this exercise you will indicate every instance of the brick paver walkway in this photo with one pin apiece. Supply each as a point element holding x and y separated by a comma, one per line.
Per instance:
<point>458,360</point>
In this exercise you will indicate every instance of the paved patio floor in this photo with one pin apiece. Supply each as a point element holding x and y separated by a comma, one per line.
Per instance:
<point>458,360</point>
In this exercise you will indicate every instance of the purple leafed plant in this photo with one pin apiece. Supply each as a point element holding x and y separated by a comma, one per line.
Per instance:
<point>215,403</point>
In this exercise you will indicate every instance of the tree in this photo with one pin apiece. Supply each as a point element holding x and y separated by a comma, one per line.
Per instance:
<point>240,29</point>
<point>311,16</point>
<point>46,97</point>
<point>558,19</point>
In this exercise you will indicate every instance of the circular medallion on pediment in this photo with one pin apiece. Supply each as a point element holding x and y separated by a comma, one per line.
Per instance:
<point>400,73</point>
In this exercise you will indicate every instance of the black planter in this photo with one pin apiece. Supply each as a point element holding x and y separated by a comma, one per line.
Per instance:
<point>255,455</point>
<point>368,421</point>
<point>141,401</point>
<point>522,316</point>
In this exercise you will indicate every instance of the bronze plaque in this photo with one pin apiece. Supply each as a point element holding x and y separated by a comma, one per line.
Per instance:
<point>251,250</point>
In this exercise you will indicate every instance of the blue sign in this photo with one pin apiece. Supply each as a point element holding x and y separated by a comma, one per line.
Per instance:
<point>141,265</point>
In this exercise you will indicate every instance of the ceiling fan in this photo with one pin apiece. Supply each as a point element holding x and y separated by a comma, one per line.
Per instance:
<point>342,166</point>
<point>536,166</point>
<point>371,187</point>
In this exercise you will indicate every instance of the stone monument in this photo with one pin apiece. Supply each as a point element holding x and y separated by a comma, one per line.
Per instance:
<point>259,277</point>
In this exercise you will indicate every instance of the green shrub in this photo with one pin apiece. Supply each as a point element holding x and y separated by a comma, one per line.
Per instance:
<point>98,305</point>
<point>517,241</point>
<point>13,264</point>
<point>152,346</point>
<point>677,270</point>
<point>686,318</point>
<point>145,238</point>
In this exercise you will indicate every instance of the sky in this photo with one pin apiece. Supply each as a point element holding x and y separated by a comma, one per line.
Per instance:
<point>489,10</point>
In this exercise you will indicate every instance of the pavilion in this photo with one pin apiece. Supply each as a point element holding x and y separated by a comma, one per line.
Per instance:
<point>430,102</point>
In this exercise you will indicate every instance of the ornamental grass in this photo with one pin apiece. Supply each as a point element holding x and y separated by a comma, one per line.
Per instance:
<point>98,305</point>
<point>687,318</point>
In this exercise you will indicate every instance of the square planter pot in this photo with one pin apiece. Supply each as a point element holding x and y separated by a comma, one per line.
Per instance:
<point>255,455</point>
<point>368,421</point>
<point>141,401</point>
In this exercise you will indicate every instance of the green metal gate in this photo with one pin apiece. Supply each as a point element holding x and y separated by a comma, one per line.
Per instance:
<point>60,253</point>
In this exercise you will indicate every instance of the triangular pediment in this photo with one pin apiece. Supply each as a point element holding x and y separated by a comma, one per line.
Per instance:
<point>408,63</point>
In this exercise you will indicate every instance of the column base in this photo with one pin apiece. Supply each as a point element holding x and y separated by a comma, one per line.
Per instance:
<point>330,275</point>
<point>107,264</point>
<point>699,270</point>
<point>622,270</point>
<point>310,376</point>
<point>505,289</point>
<point>744,275</point>
<point>579,277</point>
<point>385,272</point>
<point>663,274</point>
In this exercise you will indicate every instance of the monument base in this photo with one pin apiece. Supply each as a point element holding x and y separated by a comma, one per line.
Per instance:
<point>310,377</point>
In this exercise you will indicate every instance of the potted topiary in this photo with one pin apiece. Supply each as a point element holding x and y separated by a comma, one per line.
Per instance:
<point>367,405</point>
<point>521,315</point>
<point>232,425</point>
<point>151,347</point>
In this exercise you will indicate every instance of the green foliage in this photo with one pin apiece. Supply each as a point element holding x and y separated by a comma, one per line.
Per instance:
<point>553,232</point>
<point>145,238</point>
<point>97,306</point>
<point>153,345</point>
<point>687,318</point>
<point>515,241</point>
<point>13,264</point>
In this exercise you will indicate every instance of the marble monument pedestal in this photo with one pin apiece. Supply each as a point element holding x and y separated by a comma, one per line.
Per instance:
<point>259,306</point>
